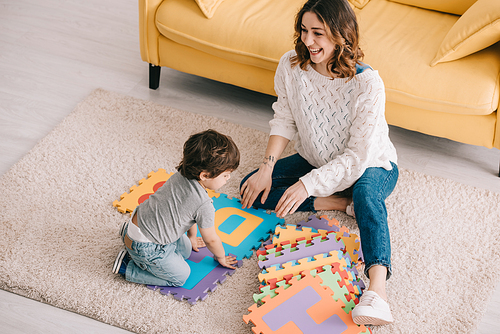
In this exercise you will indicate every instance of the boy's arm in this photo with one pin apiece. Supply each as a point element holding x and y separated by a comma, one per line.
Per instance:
<point>196,242</point>
<point>214,244</point>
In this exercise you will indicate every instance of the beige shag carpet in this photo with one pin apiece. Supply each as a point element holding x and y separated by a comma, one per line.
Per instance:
<point>59,230</point>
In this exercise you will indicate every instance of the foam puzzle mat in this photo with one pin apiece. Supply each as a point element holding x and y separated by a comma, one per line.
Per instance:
<point>206,273</point>
<point>138,194</point>
<point>308,272</point>
<point>241,231</point>
<point>305,306</point>
<point>298,265</point>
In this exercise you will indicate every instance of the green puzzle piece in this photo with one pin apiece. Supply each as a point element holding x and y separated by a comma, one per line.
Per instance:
<point>266,290</point>
<point>329,278</point>
<point>332,280</point>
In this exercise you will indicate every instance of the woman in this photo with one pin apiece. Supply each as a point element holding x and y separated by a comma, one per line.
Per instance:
<point>334,105</point>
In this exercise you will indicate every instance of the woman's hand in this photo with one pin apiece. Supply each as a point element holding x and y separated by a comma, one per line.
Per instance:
<point>292,198</point>
<point>260,182</point>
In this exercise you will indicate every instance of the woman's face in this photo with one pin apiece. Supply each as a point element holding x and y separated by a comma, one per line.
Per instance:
<point>314,37</point>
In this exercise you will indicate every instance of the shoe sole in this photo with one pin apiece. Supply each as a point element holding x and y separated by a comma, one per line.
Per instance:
<point>122,228</point>
<point>118,261</point>
<point>365,320</point>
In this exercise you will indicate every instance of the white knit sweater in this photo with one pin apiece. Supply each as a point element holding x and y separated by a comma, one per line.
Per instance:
<point>340,124</point>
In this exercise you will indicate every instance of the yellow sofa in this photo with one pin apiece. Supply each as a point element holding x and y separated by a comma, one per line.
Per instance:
<point>439,59</point>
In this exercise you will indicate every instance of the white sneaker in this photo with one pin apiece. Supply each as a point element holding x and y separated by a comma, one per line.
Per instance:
<point>372,310</point>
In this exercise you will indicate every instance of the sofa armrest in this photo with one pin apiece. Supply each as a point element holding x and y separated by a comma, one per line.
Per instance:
<point>148,33</point>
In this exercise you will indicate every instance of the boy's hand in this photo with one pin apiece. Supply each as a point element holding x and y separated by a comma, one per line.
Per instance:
<point>197,242</point>
<point>227,261</point>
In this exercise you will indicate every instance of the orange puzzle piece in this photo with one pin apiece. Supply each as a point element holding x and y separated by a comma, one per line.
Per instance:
<point>291,233</point>
<point>304,307</point>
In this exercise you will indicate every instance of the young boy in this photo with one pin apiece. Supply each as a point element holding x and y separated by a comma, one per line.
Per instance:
<point>156,244</point>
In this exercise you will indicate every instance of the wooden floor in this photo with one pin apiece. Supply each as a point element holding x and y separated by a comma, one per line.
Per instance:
<point>53,53</point>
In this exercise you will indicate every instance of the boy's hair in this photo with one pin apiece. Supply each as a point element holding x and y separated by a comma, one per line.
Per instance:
<point>342,29</point>
<point>208,151</point>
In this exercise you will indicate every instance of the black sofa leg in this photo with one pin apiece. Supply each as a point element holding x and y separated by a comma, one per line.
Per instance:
<point>154,76</point>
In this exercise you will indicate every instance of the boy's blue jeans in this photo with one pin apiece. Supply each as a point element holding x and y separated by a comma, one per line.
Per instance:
<point>368,194</point>
<point>162,265</point>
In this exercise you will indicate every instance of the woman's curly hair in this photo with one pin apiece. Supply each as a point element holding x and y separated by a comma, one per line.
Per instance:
<point>208,151</point>
<point>342,29</point>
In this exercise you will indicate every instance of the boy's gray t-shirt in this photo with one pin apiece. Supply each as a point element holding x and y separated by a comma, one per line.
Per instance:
<point>173,209</point>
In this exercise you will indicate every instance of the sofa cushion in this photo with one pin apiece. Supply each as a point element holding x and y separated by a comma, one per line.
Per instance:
<point>208,7</point>
<point>400,42</point>
<point>477,28</point>
<point>241,31</point>
<point>457,7</point>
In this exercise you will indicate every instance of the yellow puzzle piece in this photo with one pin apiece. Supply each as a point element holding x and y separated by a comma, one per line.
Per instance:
<point>129,201</point>
<point>291,233</point>
<point>351,242</point>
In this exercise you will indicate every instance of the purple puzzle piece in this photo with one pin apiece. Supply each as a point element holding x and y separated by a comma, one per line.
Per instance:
<point>360,253</point>
<point>316,247</point>
<point>295,309</point>
<point>206,284</point>
<point>318,224</point>
<point>322,224</point>
<point>266,243</point>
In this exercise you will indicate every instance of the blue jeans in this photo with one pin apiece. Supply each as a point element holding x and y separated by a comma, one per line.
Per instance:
<point>162,265</point>
<point>368,194</point>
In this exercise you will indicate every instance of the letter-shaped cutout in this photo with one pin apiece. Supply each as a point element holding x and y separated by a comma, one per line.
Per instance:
<point>239,233</point>
<point>294,316</point>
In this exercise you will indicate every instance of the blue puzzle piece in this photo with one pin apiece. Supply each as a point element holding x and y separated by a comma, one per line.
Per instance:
<point>199,270</point>
<point>206,273</point>
<point>242,230</point>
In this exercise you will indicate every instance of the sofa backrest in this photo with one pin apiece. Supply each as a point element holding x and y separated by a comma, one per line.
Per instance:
<point>457,7</point>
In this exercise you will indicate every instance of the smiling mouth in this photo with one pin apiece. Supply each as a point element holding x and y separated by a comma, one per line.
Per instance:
<point>315,51</point>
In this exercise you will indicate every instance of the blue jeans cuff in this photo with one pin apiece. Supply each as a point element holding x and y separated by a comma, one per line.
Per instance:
<point>310,204</point>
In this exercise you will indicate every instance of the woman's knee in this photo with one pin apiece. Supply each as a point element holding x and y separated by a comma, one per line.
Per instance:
<point>376,182</point>
<point>364,192</point>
